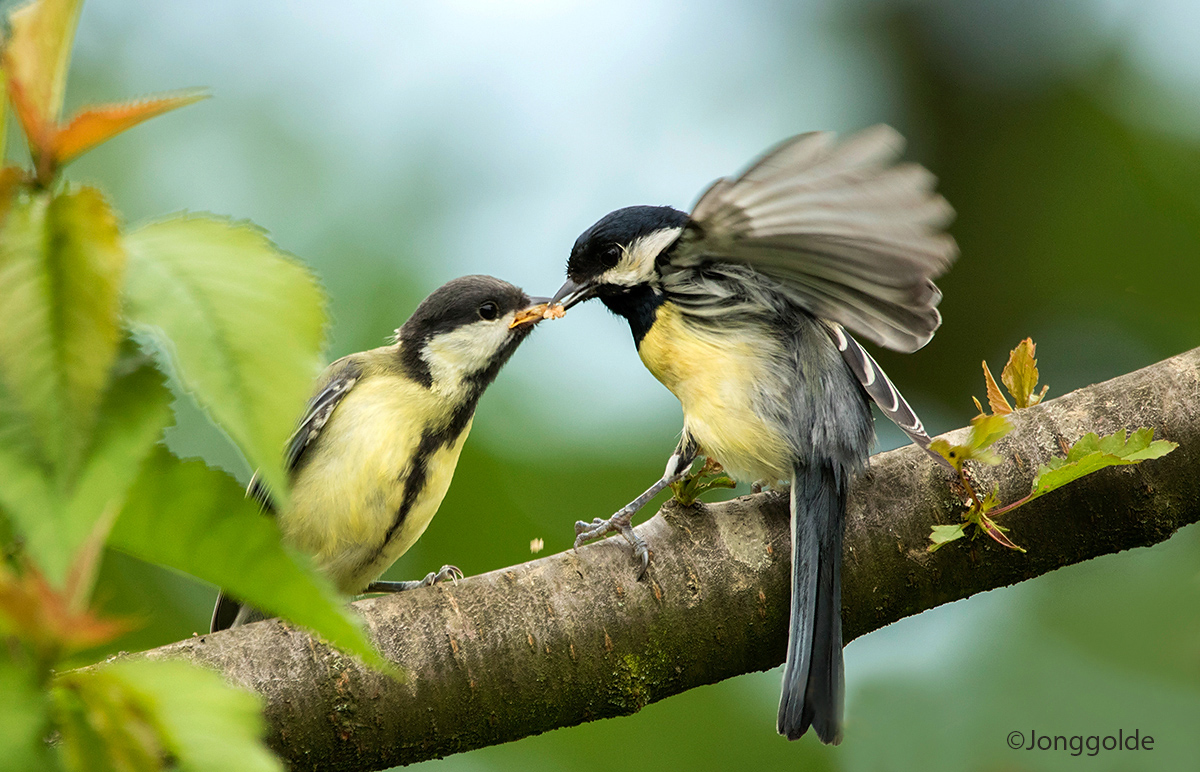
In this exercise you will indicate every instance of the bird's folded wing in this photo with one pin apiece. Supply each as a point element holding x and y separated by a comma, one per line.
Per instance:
<point>339,378</point>
<point>848,234</point>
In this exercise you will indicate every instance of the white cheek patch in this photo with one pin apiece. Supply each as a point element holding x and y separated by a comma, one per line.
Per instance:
<point>636,265</point>
<point>455,355</point>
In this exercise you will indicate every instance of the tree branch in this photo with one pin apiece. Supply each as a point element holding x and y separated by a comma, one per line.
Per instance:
<point>572,637</point>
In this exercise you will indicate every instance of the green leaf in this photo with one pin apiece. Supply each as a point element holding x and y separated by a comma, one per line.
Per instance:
<point>130,714</point>
<point>38,52</point>
<point>24,716</point>
<point>942,534</point>
<point>132,421</point>
<point>192,706</point>
<point>986,430</point>
<point>184,515</point>
<point>56,522</point>
<point>240,322</point>
<point>1092,453</point>
<point>1020,375</point>
<point>61,267</point>
<point>34,509</point>
<point>103,727</point>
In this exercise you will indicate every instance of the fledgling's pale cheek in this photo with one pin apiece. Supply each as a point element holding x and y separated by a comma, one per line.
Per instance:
<point>456,355</point>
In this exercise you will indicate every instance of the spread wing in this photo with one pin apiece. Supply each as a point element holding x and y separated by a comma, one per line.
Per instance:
<point>339,378</point>
<point>846,233</point>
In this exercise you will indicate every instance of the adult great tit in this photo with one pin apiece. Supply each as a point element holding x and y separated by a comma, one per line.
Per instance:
<point>375,451</point>
<point>744,309</point>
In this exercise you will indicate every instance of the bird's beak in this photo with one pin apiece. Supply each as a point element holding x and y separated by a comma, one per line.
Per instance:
<point>537,310</point>
<point>571,293</point>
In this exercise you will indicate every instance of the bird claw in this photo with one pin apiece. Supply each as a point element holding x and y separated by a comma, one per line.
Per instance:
<point>443,574</point>
<point>585,532</point>
<point>618,523</point>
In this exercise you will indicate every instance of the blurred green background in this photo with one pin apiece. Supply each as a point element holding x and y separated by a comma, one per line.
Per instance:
<point>395,146</point>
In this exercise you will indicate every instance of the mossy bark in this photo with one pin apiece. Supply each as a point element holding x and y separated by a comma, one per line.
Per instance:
<point>573,637</point>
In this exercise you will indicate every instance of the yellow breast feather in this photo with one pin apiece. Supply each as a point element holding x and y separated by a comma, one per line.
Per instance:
<point>720,379</point>
<point>346,495</point>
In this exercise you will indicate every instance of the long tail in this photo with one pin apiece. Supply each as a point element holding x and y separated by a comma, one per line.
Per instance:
<point>224,613</point>
<point>813,678</point>
<point>231,613</point>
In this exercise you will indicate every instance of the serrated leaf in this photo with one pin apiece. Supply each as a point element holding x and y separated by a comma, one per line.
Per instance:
<point>995,397</point>
<point>56,521</point>
<point>141,710</point>
<point>189,517</point>
<point>1020,375</point>
<point>986,430</point>
<point>1092,453</point>
<point>942,534</point>
<point>100,123</point>
<point>241,323</point>
<point>37,52</point>
<point>61,268</point>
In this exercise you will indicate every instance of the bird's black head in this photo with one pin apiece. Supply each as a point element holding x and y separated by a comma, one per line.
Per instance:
<point>618,254</point>
<point>465,331</point>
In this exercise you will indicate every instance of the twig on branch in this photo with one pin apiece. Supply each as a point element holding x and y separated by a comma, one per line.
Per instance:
<point>572,637</point>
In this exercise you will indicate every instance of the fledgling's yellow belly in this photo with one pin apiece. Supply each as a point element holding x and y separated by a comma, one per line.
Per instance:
<point>720,380</point>
<point>346,496</point>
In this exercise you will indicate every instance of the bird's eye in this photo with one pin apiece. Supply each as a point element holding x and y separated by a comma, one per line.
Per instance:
<point>489,311</point>
<point>611,256</point>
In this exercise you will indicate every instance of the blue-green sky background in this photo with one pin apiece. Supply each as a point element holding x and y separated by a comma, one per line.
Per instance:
<point>396,146</point>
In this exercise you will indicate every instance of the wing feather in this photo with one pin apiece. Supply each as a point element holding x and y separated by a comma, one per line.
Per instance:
<point>847,233</point>
<point>882,391</point>
<point>339,378</point>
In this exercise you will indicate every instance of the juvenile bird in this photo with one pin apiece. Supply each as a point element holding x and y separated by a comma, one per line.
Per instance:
<point>375,451</point>
<point>744,309</point>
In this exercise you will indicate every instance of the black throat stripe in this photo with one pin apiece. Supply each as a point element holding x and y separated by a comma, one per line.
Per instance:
<point>431,442</point>
<point>444,435</point>
<point>639,305</point>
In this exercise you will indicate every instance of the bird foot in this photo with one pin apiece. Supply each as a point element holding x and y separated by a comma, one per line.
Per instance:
<point>444,574</point>
<point>618,523</point>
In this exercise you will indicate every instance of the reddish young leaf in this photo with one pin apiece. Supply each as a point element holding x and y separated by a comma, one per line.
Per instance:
<point>35,61</point>
<point>39,132</point>
<point>94,125</point>
<point>41,616</point>
<point>997,532</point>
<point>38,53</point>
<point>995,397</point>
